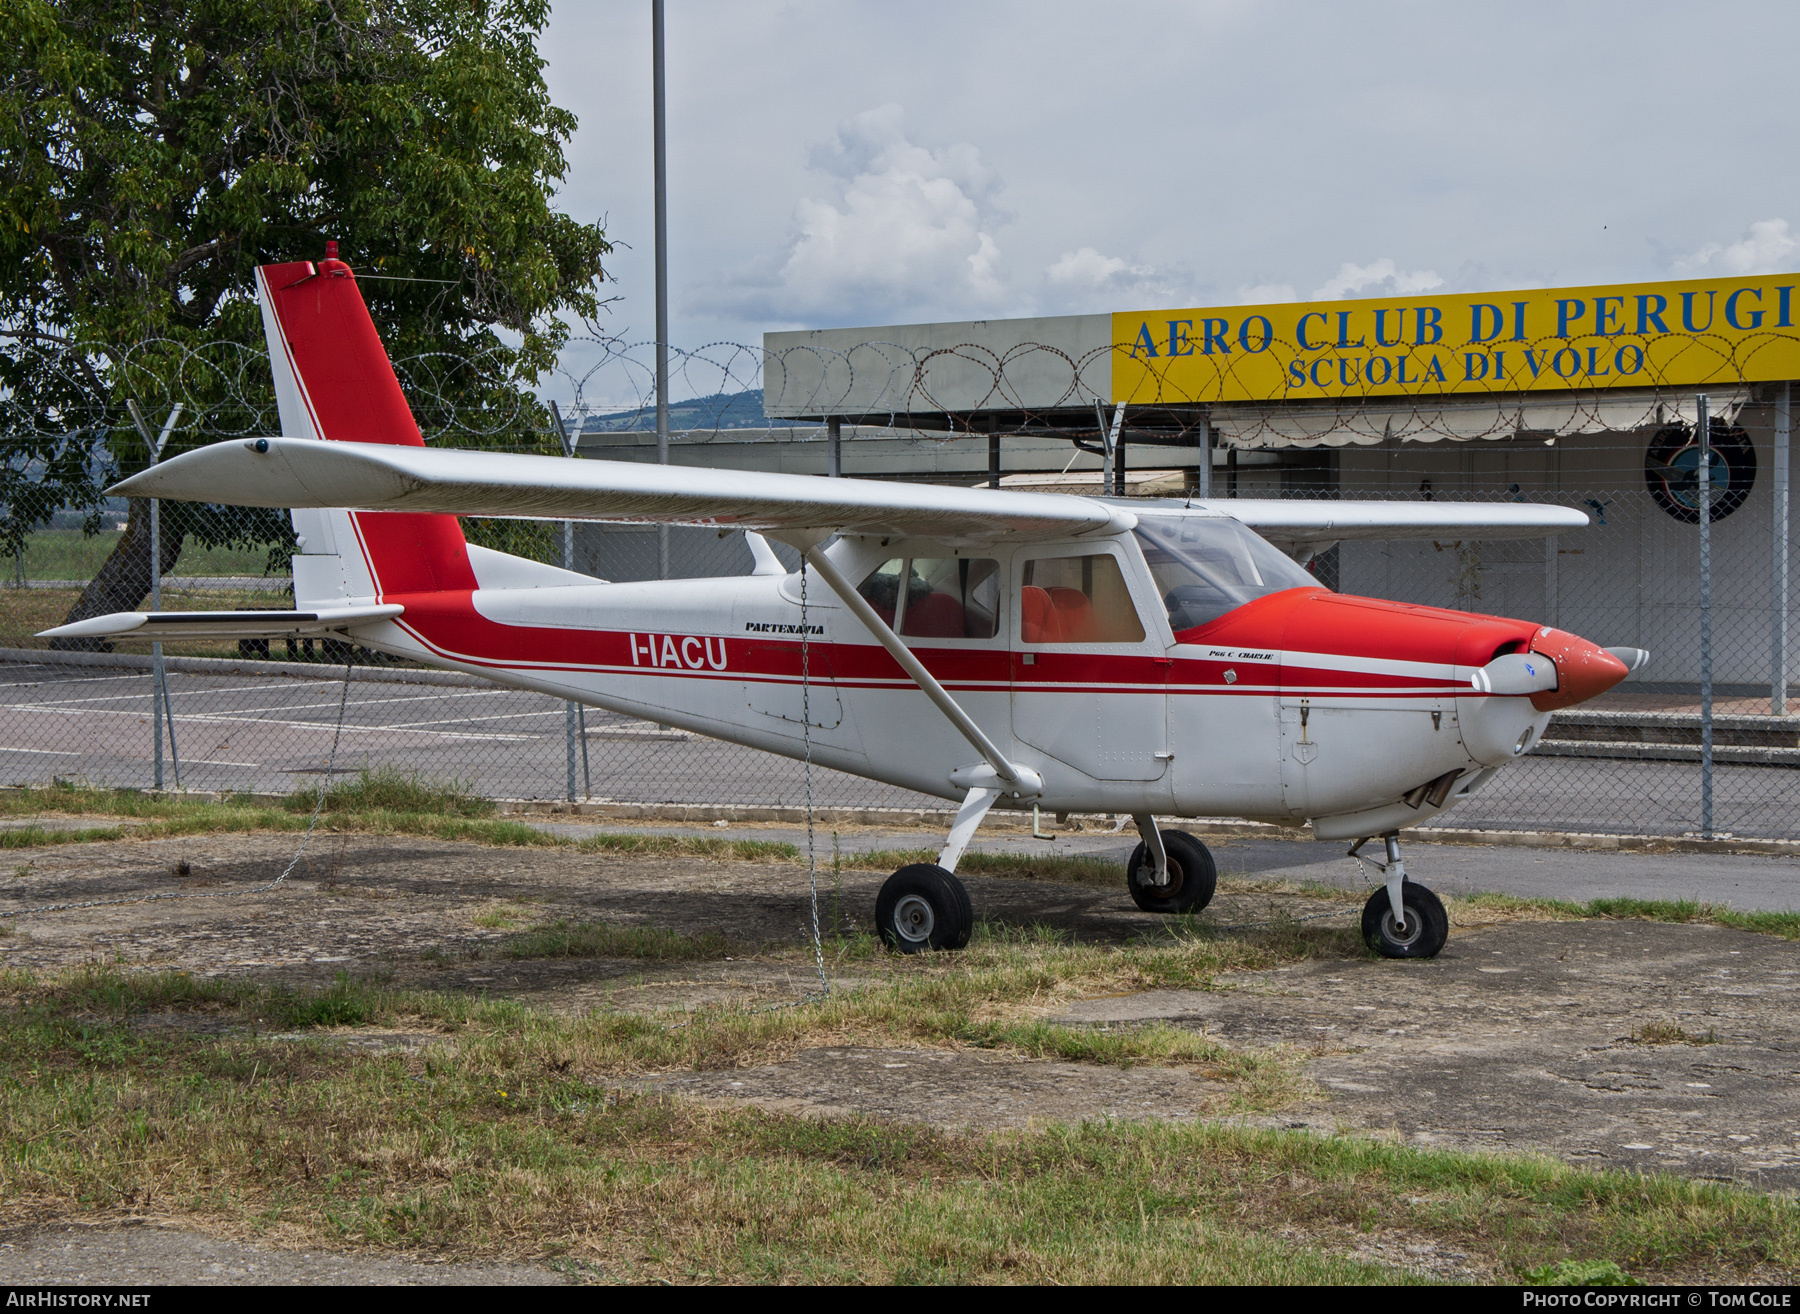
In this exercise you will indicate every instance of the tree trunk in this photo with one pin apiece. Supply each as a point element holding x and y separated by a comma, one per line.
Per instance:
<point>123,580</point>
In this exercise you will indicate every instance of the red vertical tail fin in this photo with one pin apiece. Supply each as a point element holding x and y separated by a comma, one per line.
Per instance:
<point>333,381</point>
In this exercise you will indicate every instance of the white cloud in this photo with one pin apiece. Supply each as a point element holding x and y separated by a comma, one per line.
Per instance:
<point>1378,279</point>
<point>1768,248</point>
<point>908,228</point>
<point>1087,268</point>
<point>1086,279</point>
<point>1264,294</point>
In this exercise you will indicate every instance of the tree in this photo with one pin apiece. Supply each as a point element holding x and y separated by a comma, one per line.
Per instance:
<point>153,152</point>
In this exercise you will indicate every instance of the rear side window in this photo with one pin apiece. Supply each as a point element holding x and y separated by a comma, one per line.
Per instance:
<point>1077,600</point>
<point>942,597</point>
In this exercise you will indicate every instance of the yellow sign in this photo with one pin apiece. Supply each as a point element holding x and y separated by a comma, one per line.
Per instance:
<point>1709,331</point>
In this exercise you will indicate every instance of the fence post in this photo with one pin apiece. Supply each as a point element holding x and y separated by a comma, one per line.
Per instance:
<point>834,458</point>
<point>1778,637</point>
<point>159,688</point>
<point>571,710</point>
<point>1703,504</point>
<point>1203,462</point>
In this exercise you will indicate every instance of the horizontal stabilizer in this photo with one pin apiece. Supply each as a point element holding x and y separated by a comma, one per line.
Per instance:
<point>222,624</point>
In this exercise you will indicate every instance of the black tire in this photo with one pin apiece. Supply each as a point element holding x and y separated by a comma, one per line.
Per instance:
<point>923,907</point>
<point>1193,876</point>
<point>1427,924</point>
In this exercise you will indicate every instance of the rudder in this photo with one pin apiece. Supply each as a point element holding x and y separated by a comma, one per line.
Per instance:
<point>333,381</point>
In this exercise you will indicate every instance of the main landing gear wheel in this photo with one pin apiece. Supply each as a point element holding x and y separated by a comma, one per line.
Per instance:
<point>1427,924</point>
<point>923,907</point>
<point>1192,875</point>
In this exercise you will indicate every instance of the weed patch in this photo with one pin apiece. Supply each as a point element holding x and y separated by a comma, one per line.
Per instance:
<point>1784,924</point>
<point>1671,1033</point>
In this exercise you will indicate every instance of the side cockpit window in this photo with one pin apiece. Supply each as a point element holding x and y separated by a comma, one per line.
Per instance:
<point>1205,566</point>
<point>937,597</point>
<point>1077,600</point>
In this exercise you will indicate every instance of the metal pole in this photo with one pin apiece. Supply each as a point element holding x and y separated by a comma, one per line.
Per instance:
<point>1203,463</point>
<point>587,780</point>
<point>993,460</point>
<point>1778,638</point>
<point>159,689</point>
<point>662,268</point>
<point>1703,500</point>
<point>570,708</point>
<point>834,431</point>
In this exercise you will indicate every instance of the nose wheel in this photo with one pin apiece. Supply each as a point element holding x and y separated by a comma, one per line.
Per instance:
<point>1402,919</point>
<point>1421,935</point>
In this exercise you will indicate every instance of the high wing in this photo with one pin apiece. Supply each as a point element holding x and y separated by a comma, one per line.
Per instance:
<point>287,472</point>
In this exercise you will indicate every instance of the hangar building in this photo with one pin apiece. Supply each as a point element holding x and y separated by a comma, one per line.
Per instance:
<point>1582,396</point>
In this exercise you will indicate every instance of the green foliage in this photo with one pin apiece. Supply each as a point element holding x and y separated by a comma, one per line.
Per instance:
<point>1581,1273</point>
<point>390,789</point>
<point>153,152</point>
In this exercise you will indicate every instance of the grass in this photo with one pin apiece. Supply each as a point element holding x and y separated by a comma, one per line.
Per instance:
<point>512,1138</point>
<point>381,802</point>
<point>69,554</point>
<point>526,1134</point>
<point>1784,924</point>
<point>1067,869</point>
<point>1671,1033</point>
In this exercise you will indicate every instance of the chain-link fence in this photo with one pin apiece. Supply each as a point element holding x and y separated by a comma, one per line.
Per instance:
<point>259,717</point>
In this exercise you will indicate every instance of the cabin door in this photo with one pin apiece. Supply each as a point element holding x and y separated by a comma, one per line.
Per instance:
<point>1089,678</point>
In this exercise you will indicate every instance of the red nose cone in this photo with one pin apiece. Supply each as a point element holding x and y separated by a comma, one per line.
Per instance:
<point>1583,670</point>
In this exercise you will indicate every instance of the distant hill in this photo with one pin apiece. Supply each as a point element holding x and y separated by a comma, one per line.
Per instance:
<point>722,410</point>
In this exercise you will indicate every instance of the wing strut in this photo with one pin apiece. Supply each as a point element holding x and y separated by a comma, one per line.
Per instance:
<point>1019,781</point>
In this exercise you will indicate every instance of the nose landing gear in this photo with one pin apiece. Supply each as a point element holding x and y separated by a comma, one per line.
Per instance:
<point>1403,919</point>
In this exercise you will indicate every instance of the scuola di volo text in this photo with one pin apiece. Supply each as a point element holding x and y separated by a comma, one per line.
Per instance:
<point>1499,349</point>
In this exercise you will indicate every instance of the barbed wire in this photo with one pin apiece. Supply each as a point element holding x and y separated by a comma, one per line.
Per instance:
<point>936,394</point>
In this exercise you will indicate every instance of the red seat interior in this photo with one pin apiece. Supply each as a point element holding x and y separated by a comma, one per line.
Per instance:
<point>934,616</point>
<point>1075,615</point>
<point>1039,622</point>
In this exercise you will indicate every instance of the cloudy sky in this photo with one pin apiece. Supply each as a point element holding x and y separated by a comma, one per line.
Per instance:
<point>864,163</point>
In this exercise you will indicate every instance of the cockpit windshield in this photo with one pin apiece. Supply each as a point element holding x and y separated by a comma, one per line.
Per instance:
<point>1205,566</point>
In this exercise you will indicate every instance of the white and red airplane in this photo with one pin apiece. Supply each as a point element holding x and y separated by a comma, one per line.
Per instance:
<point>1152,658</point>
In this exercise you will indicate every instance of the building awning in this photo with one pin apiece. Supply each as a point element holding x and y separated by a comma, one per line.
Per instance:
<point>1429,420</point>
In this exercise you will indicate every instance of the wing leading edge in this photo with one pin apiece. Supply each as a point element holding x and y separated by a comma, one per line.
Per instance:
<point>1322,522</point>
